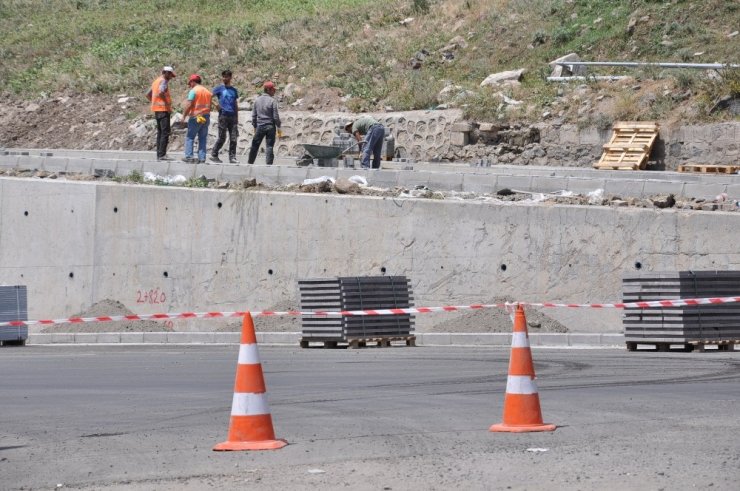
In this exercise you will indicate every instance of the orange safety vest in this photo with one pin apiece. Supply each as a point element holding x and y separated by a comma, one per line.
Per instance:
<point>202,101</point>
<point>161,103</point>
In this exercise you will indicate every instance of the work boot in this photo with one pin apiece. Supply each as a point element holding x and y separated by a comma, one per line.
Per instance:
<point>232,160</point>
<point>165,158</point>
<point>214,158</point>
<point>190,160</point>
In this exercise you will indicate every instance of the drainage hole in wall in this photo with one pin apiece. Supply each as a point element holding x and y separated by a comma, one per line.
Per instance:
<point>25,213</point>
<point>638,265</point>
<point>382,270</point>
<point>441,267</point>
<point>165,274</point>
<point>270,203</point>
<point>269,271</point>
<point>503,267</point>
<point>71,275</point>
<point>219,204</point>
<point>115,209</point>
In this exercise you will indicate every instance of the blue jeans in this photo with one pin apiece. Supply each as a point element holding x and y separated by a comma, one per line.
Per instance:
<point>374,145</point>
<point>202,131</point>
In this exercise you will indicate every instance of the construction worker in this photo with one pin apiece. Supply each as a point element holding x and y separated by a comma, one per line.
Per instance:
<point>198,107</point>
<point>228,117</point>
<point>266,123</point>
<point>159,95</point>
<point>374,133</point>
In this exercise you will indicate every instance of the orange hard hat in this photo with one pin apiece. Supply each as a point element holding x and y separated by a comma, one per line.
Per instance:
<point>269,85</point>
<point>194,78</point>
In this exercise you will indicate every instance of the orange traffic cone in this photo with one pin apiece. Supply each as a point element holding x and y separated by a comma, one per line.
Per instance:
<point>251,423</point>
<point>522,411</point>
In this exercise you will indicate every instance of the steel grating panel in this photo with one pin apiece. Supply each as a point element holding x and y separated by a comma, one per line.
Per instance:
<point>13,306</point>
<point>719,322</point>
<point>356,293</point>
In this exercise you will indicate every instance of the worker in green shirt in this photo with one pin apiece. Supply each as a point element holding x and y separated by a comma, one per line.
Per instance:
<point>374,133</point>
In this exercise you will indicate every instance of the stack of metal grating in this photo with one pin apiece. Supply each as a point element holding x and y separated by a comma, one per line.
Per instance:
<point>355,293</point>
<point>703,324</point>
<point>13,307</point>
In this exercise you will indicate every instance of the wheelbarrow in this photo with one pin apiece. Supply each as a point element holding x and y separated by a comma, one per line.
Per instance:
<point>326,155</point>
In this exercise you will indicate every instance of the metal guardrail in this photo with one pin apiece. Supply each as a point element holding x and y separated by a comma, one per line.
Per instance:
<point>636,64</point>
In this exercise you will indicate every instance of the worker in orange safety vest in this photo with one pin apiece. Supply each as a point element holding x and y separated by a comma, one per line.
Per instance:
<point>198,107</point>
<point>159,95</point>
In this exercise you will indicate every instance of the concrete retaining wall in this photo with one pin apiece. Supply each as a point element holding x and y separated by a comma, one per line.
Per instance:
<point>432,136</point>
<point>75,243</point>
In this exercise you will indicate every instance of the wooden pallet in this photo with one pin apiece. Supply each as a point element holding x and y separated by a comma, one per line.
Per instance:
<point>381,342</point>
<point>629,146</point>
<point>687,347</point>
<point>709,168</point>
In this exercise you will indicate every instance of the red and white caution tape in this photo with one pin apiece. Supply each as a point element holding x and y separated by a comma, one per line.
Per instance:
<point>679,302</point>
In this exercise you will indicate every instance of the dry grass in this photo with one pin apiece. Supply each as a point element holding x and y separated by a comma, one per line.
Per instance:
<point>359,47</point>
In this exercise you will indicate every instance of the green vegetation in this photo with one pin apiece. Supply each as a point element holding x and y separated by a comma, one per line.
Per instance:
<point>358,47</point>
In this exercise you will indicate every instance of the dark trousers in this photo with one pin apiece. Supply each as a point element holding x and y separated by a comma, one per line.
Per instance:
<point>263,131</point>
<point>163,132</point>
<point>227,123</point>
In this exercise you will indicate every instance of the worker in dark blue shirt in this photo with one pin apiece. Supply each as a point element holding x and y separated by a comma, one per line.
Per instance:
<point>228,117</point>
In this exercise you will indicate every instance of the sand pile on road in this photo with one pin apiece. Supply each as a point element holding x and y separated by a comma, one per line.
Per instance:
<point>108,307</point>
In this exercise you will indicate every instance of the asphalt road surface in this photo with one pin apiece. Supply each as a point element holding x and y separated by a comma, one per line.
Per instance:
<point>147,417</point>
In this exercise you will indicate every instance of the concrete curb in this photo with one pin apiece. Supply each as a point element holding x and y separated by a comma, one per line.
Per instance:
<point>558,340</point>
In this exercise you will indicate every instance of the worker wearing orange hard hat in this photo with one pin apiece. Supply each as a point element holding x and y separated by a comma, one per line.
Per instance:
<point>198,107</point>
<point>266,123</point>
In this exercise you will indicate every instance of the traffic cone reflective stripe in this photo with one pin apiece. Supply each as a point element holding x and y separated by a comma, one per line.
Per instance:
<point>522,411</point>
<point>250,426</point>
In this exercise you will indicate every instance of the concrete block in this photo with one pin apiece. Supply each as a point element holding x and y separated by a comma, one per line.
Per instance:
<point>382,178</point>
<point>294,175</point>
<point>85,338</point>
<point>155,337</point>
<point>62,338</point>
<point>211,171</point>
<point>585,185</point>
<point>108,338</point>
<point>445,181</point>
<point>626,187</point>
<point>463,127</point>
<point>584,339</point>
<point>267,174</point>
<point>132,337</point>
<point>411,179</point>
<point>709,190</point>
<point>226,337</point>
<point>651,188</point>
<point>548,184</point>
<point>459,139</point>
<point>39,338</point>
<point>479,183</point>
<point>519,182</point>
<point>190,337</point>
<point>480,339</point>
<point>181,169</point>
<point>236,173</point>
<point>612,339</point>
<point>281,338</point>
<point>121,167</point>
<point>55,164</point>
<point>548,339</point>
<point>433,339</point>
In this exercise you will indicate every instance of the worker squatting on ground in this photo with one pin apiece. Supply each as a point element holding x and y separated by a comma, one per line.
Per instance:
<point>159,95</point>
<point>266,122</point>
<point>374,133</point>
<point>198,107</point>
<point>227,98</point>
